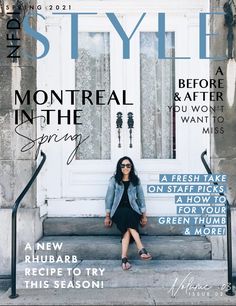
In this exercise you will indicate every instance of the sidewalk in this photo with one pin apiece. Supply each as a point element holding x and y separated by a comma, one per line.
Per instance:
<point>157,282</point>
<point>113,296</point>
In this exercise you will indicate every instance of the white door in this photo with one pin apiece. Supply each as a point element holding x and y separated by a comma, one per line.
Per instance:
<point>157,142</point>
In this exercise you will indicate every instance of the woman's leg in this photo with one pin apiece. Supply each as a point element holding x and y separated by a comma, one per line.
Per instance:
<point>125,246</point>
<point>136,237</point>
<point>138,242</point>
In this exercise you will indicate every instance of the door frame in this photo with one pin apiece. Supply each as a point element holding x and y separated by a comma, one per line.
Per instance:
<point>59,178</point>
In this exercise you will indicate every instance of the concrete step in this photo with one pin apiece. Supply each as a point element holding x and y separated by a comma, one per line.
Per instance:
<point>5,282</point>
<point>154,273</point>
<point>109,247</point>
<point>94,226</point>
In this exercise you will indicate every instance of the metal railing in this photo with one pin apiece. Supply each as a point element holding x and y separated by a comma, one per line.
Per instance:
<point>229,234</point>
<point>14,227</point>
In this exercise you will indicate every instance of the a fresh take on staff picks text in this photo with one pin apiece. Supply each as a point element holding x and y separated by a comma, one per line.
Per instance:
<point>200,202</point>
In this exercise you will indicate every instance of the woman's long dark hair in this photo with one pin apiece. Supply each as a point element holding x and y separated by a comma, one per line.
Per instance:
<point>134,179</point>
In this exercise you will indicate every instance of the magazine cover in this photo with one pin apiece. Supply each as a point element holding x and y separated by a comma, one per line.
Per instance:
<point>117,152</point>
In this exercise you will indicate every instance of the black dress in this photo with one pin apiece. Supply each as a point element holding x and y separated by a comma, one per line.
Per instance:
<point>125,217</point>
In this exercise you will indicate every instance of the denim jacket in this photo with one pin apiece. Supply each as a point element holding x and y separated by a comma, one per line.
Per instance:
<point>114,195</point>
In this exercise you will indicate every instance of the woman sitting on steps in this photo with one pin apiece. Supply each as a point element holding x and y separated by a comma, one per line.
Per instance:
<point>125,206</point>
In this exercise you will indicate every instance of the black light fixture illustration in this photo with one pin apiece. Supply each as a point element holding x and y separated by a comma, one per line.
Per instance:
<point>2,8</point>
<point>14,5</point>
<point>119,122</point>
<point>130,127</point>
<point>230,22</point>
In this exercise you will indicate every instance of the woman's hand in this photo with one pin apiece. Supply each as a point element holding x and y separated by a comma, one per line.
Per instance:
<point>143,220</point>
<point>108,221</point>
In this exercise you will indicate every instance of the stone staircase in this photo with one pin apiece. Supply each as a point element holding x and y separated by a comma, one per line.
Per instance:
<point>97,247</point>
<point>153,274</point>
<point>89,239</point>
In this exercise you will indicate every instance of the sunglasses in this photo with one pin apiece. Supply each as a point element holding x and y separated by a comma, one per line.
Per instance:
<point>125,165</point>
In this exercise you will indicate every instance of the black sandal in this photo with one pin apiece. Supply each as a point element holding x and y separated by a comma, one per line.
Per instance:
<point>124,261</point>
<point>143,251</point>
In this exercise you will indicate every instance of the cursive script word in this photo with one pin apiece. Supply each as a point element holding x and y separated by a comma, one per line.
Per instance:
<point>77,138</point>
<point>187,285</point>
